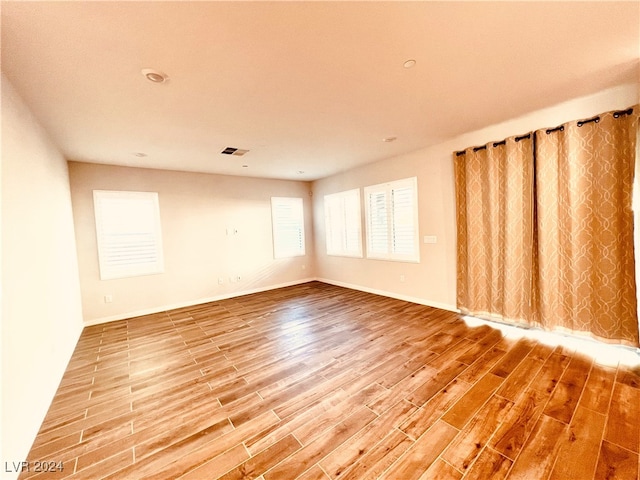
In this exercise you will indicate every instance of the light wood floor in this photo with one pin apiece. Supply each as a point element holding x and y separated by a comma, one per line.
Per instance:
<point>316,382</point>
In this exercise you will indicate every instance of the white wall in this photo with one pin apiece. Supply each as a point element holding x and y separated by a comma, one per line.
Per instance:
<point>41,304</point>
<point>41,310</point>
<point>195,211</point>
<point>433,280</point>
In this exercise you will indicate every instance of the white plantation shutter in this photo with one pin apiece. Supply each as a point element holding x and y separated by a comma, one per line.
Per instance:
<point>288,227</point>
<point>128,233</point>
<point>404,234</point>
<point>342,220</point>
<point>353,223</point>
<point>378,223</point>
<point>334,225</point>
<point>392,221</point>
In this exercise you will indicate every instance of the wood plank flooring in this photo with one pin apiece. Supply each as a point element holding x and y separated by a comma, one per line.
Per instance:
<point>321,382</point>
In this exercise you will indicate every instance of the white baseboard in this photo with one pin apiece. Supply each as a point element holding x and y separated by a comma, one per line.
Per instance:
<point>397,296</point>
<point>164,308</point>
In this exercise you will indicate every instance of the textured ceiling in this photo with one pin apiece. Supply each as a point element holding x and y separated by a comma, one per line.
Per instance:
<point>311,87</point>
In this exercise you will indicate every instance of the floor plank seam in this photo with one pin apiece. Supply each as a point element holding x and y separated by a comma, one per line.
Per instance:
<point>162,379</point>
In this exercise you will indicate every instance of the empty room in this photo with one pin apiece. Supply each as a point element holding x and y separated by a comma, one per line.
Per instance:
<point>320,240</point>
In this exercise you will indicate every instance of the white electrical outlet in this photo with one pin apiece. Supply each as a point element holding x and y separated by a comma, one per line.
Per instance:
<point>108,298</point>
<point>402,278</point>
<point>220,280</point>
<point>430,239</point>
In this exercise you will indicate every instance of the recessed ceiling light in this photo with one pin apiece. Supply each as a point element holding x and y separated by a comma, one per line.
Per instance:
<point>409,63</point>
<point>389,139</point>
<point>154,76</point>
<point>140,154</point>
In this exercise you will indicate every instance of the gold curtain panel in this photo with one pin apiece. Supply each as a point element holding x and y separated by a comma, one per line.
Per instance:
<point>545,228</point>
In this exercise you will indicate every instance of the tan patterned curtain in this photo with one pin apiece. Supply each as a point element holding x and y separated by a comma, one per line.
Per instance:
<point>584,186</point>
<point>545,228</point>
<point>494,188</point>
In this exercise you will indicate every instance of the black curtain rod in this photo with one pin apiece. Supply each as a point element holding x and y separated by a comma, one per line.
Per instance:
<point>594,119</point>
<point>560,128</point>
<point>551,130</point>
<point>628,111</point>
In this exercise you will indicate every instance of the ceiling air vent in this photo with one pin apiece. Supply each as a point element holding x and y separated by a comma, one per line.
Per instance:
<point>238,152</point>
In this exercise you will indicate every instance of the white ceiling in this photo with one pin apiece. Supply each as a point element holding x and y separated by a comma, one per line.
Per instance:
<point>310,87</point>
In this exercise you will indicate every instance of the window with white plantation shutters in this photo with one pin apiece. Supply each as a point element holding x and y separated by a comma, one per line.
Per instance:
<point>288,227</point>
<point>128,233</point>
<point>342,223</point>
<point>392,220</point>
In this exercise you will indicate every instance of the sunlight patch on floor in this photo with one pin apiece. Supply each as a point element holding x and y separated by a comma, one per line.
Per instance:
<point>602,353</point>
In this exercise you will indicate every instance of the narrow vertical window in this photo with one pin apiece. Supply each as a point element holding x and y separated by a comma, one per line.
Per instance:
<point>128,233</point>
<point>288,227</point>
<point>342,221</point>
<point>392,221</point>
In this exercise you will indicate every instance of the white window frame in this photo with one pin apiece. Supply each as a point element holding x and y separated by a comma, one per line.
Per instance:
<point>343,229</point>
<point>390,221</point>
<point>287,219</point>
<point>129,245</point>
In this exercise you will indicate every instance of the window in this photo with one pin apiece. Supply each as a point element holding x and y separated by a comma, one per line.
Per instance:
<point>128,232</point>
<point>342,219</point>
<point>288,227</point>
<point>392,220</point>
